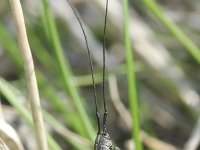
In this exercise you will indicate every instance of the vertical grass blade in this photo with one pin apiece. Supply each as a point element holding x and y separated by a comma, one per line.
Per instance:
<point>131,79</point>
<point>10,45</point>
<point>66,70</point>
<point>174,29</point>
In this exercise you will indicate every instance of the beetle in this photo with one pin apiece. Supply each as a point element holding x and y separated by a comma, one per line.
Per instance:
<point>103,140</point>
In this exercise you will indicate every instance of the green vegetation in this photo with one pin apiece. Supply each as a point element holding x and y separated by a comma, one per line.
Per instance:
<point>131,80</point>
<point>64,79</point>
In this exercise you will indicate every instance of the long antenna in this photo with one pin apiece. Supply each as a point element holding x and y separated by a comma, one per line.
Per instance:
<point>104,62</point>
<point>91,67</point>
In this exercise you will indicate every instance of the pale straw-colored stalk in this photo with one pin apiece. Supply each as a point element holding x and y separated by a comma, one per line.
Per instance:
<point>30,74</point>
<point>3,146</point>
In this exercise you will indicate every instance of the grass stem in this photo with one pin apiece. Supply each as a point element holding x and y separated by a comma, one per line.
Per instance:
<point>131,79</point>
<point>30,75</point>
<point>174,29</point>
<point>66,70</point>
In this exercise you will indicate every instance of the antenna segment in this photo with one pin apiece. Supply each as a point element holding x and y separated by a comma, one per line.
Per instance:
<point>102,141</point>
<point>91,67</point>
<point>104,64</point>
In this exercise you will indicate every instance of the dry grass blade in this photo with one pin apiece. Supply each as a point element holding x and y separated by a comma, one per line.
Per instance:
<point>9,136</point>
<point>1,112</point>
<point>66,133</point>
<point>126,117</point>
<point>30,74</point>
<point>194,140</point>
<point>3,145</point>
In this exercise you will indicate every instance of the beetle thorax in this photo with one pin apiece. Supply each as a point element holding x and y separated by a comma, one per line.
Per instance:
<point>103,142</point>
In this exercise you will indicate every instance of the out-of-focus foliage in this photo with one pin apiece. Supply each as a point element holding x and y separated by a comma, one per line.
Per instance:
<point>167,72</point>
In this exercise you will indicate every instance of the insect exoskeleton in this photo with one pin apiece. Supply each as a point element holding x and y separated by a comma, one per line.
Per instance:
<point>103,142</point>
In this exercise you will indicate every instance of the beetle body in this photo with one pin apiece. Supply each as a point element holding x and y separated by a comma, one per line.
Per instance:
<point>103,142</point>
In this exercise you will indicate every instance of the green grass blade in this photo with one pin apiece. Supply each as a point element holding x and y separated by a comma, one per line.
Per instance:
<point>8,42</point>
<point>174,29</point>
<point>46,89</point>
<point>12,98</point>
<point>66,70</point>
<point>53,145</point>
<point>50,94</point>
<point>131,79</point>
<point>80,145</point>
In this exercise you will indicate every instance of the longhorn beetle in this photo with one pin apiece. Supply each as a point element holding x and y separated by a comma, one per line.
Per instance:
<point>102,141</point>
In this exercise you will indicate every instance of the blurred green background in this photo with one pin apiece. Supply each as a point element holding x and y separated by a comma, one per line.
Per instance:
<point>165,40</point>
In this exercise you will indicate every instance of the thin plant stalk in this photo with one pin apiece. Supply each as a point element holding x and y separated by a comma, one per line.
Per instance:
<point>131,80</point>
<point>3,146</point>
<point>174,29</point>
<point>30,75</point>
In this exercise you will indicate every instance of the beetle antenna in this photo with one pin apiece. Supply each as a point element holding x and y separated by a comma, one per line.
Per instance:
<point>104,62</point>
<point>91,67</point>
